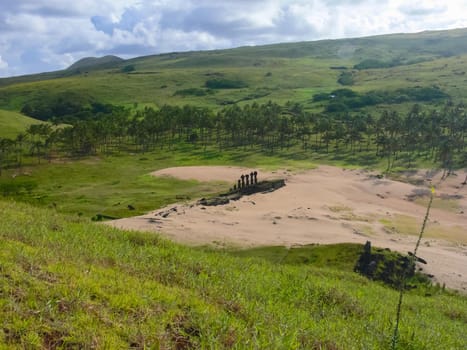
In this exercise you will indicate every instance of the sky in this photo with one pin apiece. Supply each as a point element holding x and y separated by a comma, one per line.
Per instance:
<point>46,35</point>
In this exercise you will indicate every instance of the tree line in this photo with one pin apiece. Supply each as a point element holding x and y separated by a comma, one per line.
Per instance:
<point>437,135</point>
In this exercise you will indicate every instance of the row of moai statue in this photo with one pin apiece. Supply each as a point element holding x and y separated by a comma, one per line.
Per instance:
<point>246,180</point>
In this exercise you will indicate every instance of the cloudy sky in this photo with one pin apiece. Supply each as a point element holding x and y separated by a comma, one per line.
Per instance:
<point>45,35</point>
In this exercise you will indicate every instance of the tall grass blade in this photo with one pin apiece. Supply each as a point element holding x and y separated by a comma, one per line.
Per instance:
<point>402,286</point>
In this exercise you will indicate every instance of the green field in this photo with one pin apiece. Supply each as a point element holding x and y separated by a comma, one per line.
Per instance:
<point>13,123</point>
<point>68,283</point>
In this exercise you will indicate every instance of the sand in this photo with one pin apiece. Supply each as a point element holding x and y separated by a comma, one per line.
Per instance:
<point>326,205</point>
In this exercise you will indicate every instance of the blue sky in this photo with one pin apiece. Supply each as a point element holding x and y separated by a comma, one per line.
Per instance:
<point>45,35</point>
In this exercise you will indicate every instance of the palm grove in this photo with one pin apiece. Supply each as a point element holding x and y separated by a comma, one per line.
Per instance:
<point>78,129</point>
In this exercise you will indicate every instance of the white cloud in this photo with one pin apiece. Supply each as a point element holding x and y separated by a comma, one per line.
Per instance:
<point>3,64</point>
<point>38,35</point>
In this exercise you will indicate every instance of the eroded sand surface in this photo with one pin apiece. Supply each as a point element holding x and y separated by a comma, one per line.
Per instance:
<point>325,205</point>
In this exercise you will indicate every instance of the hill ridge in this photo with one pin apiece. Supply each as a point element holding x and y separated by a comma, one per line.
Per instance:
<point>436,37</point>
<point>96,62</point>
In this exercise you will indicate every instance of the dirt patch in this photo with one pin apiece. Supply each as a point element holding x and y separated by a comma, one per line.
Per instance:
<point>324,205</point>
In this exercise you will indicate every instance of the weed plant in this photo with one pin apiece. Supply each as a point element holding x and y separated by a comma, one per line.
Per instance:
<point>403,283</point>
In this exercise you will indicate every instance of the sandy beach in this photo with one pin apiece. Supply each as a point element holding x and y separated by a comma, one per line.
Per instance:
<point>326,205</point>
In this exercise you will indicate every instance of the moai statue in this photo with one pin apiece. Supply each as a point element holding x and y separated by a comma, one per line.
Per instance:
<point>252,181</point>
<point>235,188</point>
<point>243,181</point>
<point>256,177</point>
<point>247,180</point>
<point>239,184</point>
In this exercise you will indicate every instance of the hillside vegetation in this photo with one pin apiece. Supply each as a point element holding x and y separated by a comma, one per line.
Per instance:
<point>281,72</point>
<point>45,166</point>
<point>67,283</point>
<point>13,123</point>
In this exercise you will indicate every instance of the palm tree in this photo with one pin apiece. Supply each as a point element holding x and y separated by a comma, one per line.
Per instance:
<point>36,149</point>
<point>20,139</point>
<point>389,127</point>
<point>5,148</point>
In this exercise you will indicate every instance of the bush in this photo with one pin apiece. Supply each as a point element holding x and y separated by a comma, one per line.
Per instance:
<point>17,186</point>
<point>225,84</point>
<point>193,92</point>
<point>345,99</point>
<point>128,69</point>
<point>65,103</point>
<point>336,106</point>
<point>339,93</point>
<point>323,96</point>
<point>372,63</point>
<point>346,78</point>
<point>66,107</point>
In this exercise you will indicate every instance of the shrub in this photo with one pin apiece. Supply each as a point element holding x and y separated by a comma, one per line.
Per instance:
<point>17,186</point>
<point>372,63</point>
<point>344,99</point>
<point>346,78</point>
<point>193,92</point>
<point>323,96</point>
<point>127,69</point>
<point>225,84</point>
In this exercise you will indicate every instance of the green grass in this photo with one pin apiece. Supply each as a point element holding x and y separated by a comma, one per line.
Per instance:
<point>68,283</point>
<point>13,123</point>
<point>342,256</point>
<point>409,225</point>
<point>451,205</point>
<point>109,184</point>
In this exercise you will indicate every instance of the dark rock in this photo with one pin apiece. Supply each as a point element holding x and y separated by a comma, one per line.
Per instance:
<point>213,201</point>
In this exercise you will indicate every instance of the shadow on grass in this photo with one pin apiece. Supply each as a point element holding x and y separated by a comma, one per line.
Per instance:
<point>343,256</point>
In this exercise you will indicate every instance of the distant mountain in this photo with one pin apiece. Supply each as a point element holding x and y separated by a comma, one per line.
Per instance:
<point>96,62</point>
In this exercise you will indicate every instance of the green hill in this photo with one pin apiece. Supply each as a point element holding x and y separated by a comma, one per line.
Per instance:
<point>96,62</point>
<point>281,72</point>
<point>67,283</point>
<point>13,123</point>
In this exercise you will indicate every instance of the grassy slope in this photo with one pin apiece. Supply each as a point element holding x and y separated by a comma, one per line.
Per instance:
<point>276,72</point>
<point>13,123</point>
<point>66,282</point>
